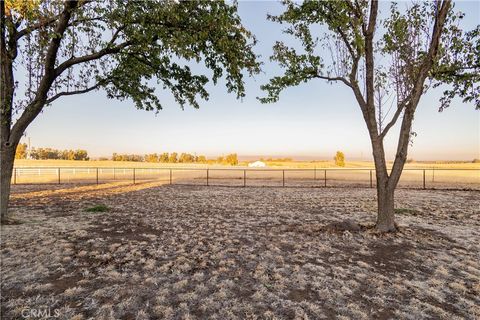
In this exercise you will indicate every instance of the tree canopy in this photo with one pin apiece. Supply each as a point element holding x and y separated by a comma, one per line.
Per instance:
<point>333,49</point>
<point>128,48</point>
<point>125,47</point>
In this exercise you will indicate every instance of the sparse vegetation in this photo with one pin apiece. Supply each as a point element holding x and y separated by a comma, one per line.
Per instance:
<point>262,252</point>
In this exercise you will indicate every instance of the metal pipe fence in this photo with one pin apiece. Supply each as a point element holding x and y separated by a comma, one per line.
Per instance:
<point>243,177</point>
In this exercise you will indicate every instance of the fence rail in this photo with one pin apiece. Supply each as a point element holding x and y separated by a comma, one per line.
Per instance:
<point>239,176</point>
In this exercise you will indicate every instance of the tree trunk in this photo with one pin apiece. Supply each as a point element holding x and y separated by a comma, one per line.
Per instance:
<point>385,192</point>
<point>386,213</point>
<point>7,157</point>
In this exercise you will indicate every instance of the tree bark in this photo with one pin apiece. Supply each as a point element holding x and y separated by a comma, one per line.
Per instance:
<point>385,192</point>
<point>386,211</point>
<point>7,158</point>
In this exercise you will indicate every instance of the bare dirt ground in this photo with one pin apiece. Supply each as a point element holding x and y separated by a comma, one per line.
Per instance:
<point>195,252</point>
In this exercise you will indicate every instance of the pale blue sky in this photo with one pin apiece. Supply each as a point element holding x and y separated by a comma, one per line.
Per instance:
<point>314,119</point>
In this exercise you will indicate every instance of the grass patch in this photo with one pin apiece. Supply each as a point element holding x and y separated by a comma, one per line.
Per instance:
<point>406,211</point>
<point>98,208</point>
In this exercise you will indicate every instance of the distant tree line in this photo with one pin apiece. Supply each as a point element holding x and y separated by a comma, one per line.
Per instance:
<point>49,153</point>
<point>174,157</point>
<point>127,157</point>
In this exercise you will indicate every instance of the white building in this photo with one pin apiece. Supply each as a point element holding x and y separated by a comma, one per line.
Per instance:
<point>257,164</point>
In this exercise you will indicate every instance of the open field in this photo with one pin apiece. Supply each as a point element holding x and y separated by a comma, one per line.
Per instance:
<point>445,176</point>
<point>271,164</point>
<point>190,252</point>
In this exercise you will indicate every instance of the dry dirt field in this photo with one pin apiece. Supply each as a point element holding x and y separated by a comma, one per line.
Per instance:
<point>192,252</point>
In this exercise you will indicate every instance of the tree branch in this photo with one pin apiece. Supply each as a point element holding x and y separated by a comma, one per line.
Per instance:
<point>340,31</point>
<point>458,71</point>
<point>36,26</point>
<point>71,93</point>
<point>428,61</point>
<point>36,106</point>
<point>78,21</point>
<point>6,71</point>
<point>46,22</point>
<point>345,40</point>
<point>370,67</point>
<point>416,93</point>
<point>8,53</point>
<point>342,79</point>
<point>12,42</point>
<point>354,85</point>
<point>94,56</point>
<point>354,8</point>
<point>392,122</point>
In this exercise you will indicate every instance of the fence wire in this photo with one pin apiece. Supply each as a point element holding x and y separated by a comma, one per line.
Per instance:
<point>244,177</point>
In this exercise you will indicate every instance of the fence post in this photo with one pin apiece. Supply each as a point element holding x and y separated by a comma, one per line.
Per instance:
<point>325,176</point>
<point>207,177</point>
<point>244,178</point>
<point>314,173</point>
<point>423,178</point>
<point>283,178</point>
<point>113,173</point>
<point>170,176</point>
<point>58,175</point>
<point>133,175</point>
<point>371,181</point>
<point>97,175</point>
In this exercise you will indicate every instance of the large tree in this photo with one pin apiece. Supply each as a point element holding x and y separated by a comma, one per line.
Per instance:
<point>63,48</point>
<point>394,57</point>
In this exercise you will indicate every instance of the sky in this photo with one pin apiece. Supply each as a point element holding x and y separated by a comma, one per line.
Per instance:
<point>311,121</point>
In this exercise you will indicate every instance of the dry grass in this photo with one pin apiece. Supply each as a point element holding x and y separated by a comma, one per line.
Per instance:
<point>273,164</point>
<point>186,252</point>
<point>369,164</point>
<point>77,172</point>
